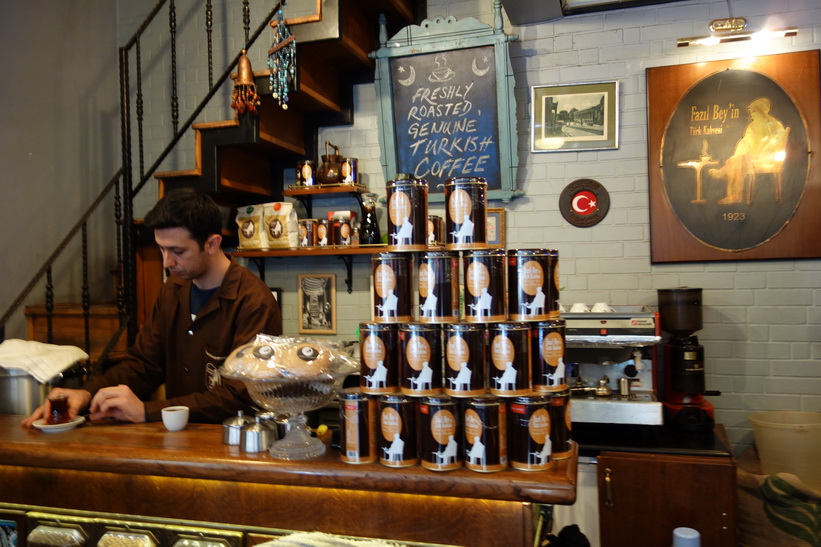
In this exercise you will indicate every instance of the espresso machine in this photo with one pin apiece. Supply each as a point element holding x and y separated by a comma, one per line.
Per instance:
<point>683,370</point>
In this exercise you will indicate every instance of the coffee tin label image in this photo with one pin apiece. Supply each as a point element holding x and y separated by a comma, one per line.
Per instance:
<point>438,282</point>
<point>484,287</point>
<point>510,372</point>
<point>464,360</point>
<point>357,413</point>
<point>530,444</point>
<point>560,433</point>
<point>397,426</point>
<point>529,285</point>
<point>391,288</point>
<point>407,215</point>
<point>420,368</point>
<point>378,371</point>
<point>438,434</point>
<point>466,219</point>
<point>485,425</point>
<point>547,359</point>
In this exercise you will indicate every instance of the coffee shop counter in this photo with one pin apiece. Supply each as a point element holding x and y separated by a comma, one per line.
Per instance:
<point>190,475</point>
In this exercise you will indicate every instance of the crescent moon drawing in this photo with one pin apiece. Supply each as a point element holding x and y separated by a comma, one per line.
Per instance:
<point>409,80</point>
<point>476,70</point>
<point>577,207</point>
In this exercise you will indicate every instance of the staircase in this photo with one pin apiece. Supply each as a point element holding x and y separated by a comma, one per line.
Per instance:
<point>241,161</point>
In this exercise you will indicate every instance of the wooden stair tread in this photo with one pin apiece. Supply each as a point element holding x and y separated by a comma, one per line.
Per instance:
<point>204,126</point>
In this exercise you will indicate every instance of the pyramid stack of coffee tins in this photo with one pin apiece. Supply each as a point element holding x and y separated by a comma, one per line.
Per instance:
<point>462,363</point>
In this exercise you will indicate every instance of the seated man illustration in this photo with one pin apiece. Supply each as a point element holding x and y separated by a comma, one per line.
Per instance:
<point>536,307</point>
<point>379,377</point>
<point>556,377</point>
<point>483,306</point>
<point>462,380</point>
<point>476,454</point>
<point>762,150</point>
<point>448,455</point>
<point>428,308</point>
<point>465,232</point>
<point>507,381</point>
<point>405,234</point>
<point>396,450</point>
<point>389,305</point>
<point>425,378</point>
<point>543,456</point>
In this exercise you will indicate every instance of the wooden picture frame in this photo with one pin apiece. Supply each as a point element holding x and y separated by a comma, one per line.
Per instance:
<point>277,292</point>
<point>13,528</point>
<point>495,228</point>
<point>317,303</point>
<point>582,116</point>
<point>731,173</point>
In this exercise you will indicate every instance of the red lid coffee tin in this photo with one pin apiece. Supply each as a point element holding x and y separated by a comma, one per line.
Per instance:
<point>437,418</point>
<point>407,199</point>
<point>397,431</point>
<point>509,351</point>
<point>466,213</point>
<point>484,281</point>
<point>420,359</point>
<point>529,284</point>
<point>529,429</point>
<point>560,425</point>
<point>547,365</point>
<point>357,426</point>
<point>465,359</point>
<point>392,281</point>
<point>438,285</point>
<point>485,426</point>
<point>378,358</point>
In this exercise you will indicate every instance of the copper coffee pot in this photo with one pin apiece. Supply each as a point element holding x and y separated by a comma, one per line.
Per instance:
<point>331,168</point>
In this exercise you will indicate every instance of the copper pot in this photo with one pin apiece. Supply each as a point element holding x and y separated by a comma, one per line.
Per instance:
<point>330,172</point>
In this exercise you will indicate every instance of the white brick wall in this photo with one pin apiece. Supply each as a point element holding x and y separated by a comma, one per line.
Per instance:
<point>762,320</point>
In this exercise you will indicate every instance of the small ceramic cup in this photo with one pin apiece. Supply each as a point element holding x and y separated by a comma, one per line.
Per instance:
<point>175,418</point>
<point>602,307</point>
<point>579,307</point>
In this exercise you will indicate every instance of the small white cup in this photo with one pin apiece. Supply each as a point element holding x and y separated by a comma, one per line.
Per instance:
<point>175,418</point>
<point>601,307</point>
<point>579,307</point>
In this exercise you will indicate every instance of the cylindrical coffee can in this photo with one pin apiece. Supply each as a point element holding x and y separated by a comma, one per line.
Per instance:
<point>465,359</point>
<point>529,283</point>
<point>484,281</point>
<point>485,426</point>
<point>465,213</point>
<point>437,418</point>
<point>553,283</point>
<point>529,429</point>
<point>407,214</point>
<point>420,359</point>
<point>305,171</point>
<point>307,232</point>
<point>378,358</point>
<point>509,350</point>
<point>349,171</point>
<point>324,233</point>
<point>392,281</point>
<point>560,424</point>
<point>435,231</point>
<point>342,232</point>
<point>547,367</point>
<point>397,431</point>
<point>438,284</point>
<point>357,426</point>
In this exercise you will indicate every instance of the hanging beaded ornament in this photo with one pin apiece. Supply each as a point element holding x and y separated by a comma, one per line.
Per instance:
<point>245,97</point>
<point>282,59</point>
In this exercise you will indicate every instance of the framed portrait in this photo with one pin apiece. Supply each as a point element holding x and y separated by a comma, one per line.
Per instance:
<point>12,528</point>
<point>495,228</point>
<point>317,304</point>
<point>574,117</point>
<point>731,172</point>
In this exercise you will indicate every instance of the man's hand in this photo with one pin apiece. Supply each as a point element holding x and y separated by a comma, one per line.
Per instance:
<point>117,402</point>
<point>78,400</point>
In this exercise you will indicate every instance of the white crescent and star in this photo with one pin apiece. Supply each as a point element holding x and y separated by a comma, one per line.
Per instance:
<point>477,70</point>
<point>411,77</point>
<point>583,204</point>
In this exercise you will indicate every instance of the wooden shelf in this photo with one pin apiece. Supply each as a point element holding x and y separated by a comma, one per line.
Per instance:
<point>325,190</point>
<point>312,251</point>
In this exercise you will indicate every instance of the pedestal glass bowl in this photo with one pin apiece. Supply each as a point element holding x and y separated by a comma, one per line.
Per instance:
<point>291,376</point>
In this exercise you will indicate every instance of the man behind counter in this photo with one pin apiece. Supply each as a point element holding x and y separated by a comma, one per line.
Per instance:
<point>207,307</point>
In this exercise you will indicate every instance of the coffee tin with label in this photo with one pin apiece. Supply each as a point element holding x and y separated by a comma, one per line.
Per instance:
<point>509,349</point>
<point>420,359</point>
<point>529,284</point>
<point>307,232</point>
<point>378,358</point>
<point>305,171</point>
<point>342,232</point>
<point>560,425</point>
<point>437,417</point>
<point>324,233</point>
<point>530,444</point>
<point>438,284</point>
<point>407,199</point>
<point>436,229</point>
<point>553,283</point>
<point>465,359</point>
<point>466,213</point>
<point>397,431</point>
<point>357,426</point>
<point>547,367</point>
<point>392,280</point>
<point>349,171</point>
<point>485,426</point>
<point>484,281</point>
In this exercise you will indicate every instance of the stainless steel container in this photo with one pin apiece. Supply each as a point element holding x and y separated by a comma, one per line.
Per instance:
<point>257,436</point>
<point>20,392</point>
<point>232,428</point>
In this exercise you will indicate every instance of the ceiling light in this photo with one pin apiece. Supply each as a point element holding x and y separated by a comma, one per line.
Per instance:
<point>733,29</point>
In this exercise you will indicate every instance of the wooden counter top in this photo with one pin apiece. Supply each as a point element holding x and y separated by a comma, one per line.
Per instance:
<point>197,452</point>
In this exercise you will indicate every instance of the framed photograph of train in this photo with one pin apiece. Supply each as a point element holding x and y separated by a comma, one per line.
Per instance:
<point>317,304</point>
<point>732,173</point>
<point>577,117</point>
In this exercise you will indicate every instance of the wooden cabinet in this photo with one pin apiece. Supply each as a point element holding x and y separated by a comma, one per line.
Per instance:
<point>643,497</point>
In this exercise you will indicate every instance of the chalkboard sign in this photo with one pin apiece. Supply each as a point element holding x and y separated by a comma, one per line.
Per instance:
<point>445,104</point>
<point>445,116</point>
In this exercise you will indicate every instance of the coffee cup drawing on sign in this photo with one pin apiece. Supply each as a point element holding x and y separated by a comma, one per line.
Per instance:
<point>602,307</point>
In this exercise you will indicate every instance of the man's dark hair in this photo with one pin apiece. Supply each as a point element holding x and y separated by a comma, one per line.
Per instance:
<point>189,209</point>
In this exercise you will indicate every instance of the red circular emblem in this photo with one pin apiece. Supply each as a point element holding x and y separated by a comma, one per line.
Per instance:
<point>584,202</point>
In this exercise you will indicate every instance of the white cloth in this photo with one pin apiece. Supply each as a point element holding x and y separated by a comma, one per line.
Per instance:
<point>43,361</point>
<point>318,539</point>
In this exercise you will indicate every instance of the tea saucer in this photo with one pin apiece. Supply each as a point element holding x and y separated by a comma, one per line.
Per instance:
<point>56,428</point>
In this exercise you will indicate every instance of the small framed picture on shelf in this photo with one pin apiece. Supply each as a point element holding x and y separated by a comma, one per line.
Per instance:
<point>277,292</point>
<point>12,528</point>
<point>317,304</point>
<point>496,228</point>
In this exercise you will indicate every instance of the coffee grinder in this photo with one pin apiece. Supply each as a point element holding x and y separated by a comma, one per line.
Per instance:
<point>683,386</point>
